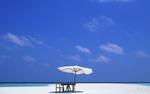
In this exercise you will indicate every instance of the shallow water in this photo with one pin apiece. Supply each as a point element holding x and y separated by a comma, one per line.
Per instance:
<point>22,84</point>
<point>146,84</point>
<point>46,84</point>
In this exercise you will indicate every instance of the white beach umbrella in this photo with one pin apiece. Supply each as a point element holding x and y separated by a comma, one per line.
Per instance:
<point>75,70</point>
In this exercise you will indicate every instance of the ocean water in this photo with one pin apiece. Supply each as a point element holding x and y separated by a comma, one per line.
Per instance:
<point>146,84</point>
<point>46,84</point>
<point>23,84</point>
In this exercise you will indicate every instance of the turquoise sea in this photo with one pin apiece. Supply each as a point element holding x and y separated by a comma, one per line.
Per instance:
<point>23,84</point>
<point>146,84</point>
<point>46,84</point>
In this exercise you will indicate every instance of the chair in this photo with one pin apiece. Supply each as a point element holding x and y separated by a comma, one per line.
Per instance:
<point>59,87</point>
<point>65,87</point>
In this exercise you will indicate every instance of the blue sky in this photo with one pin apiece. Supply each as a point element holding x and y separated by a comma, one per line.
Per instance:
<point>109,36</point>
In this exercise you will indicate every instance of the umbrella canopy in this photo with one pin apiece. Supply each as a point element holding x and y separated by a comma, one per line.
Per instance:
<point>75,70</point>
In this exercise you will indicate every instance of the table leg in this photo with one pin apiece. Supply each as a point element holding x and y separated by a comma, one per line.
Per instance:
<point>73,87</point>
<point>63,88</point>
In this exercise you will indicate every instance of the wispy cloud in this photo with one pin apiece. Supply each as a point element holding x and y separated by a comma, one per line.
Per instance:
<point>99,24</point>
<point>75,58</point>
<point>18,40</point>
<point>101,58</point>
<point>108,1</point>
<point>21,40</point>
<point>83,50</point>
<point>29,59</point>
<point>142,54</point>
<point>36,41</point>
<point>113,48</point>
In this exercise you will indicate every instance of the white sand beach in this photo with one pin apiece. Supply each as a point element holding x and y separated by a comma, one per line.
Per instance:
<point>90,88</point>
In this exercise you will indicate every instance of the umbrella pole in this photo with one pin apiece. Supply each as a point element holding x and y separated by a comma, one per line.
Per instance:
<point>75,77</point>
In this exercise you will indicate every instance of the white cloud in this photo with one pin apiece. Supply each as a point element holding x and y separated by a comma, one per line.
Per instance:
<point>21,40</point>
<point>106,1</point>
<point>82,49</point>
<point>142,54</point>
<point>36,41</point>
<point>101,58</point>
<point>75,58</point>
<point>99,24</point>
<point>29,59</point>
<point>113,48</point>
